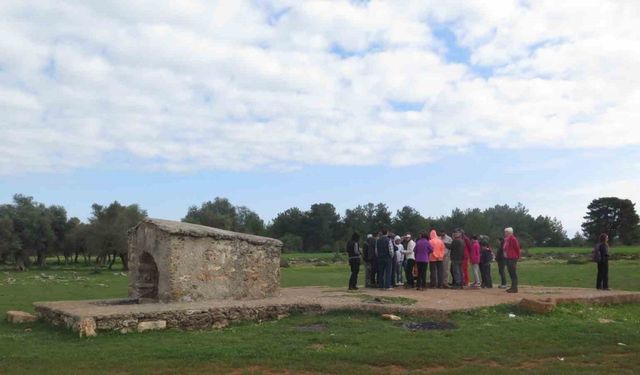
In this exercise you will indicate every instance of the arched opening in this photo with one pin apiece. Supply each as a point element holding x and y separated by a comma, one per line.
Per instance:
<point>147,283</point>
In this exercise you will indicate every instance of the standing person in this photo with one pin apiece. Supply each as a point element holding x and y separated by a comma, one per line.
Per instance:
<point>486,257</point>
<point>372,258</point>
<point>446,263</point>
<point>457,256</point>
<point>436,267</point>
<point>367,265</point>
<point>410,257</point>
<point>502,263</point>
<point>512,253</point>
<point>399,260</point>
<point>475,261</point>
<point>384,247</point>
<point>423,250</point>
<point>601,255</point>
<point>393,258</point>
<point>465,259</point>
<point>353,249</point>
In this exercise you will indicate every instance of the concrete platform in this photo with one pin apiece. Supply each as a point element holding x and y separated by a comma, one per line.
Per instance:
<point>127,315</point>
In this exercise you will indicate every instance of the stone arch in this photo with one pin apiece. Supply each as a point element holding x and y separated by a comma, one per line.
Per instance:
<point>147,281</point>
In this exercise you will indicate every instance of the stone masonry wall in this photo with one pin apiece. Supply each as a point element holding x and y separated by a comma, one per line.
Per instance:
<point>195,262</point>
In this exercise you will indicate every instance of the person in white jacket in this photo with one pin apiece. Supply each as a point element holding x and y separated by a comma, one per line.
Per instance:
<point>399,260</point>
<point>410,257</point>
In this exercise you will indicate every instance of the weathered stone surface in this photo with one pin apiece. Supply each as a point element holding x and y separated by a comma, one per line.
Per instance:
<point>19,317</point>
<point>152,325</point>
<point>537,306</point>
<point>173,261</point>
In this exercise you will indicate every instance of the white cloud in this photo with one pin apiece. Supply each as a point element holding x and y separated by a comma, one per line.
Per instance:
<point>188,85</point>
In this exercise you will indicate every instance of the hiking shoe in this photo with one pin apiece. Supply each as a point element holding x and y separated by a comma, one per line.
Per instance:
<point>502,286</point>
<point>512,290</point>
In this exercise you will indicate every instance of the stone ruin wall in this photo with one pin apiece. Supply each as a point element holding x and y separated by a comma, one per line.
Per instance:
<point>195,263</point>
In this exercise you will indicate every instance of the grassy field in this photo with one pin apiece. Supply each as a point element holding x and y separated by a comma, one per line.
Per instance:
<point>487,341</point>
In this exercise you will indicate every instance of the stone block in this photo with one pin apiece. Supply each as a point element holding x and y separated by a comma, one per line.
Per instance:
<point>19,317</point>
<point>152,325</point>
<point>87,327</point>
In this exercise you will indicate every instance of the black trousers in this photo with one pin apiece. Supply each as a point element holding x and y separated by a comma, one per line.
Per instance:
<point>502,264</point>
<point>354,264</point>
<point>408,271</point>
<point>422,274</point>
<point>602,282</point>
<point>436,274</point>
<point>485,275</point>
<point>374,272</point>
<point>512,265</point>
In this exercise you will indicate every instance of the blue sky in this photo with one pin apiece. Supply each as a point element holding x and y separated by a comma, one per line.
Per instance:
<point>285,103</point>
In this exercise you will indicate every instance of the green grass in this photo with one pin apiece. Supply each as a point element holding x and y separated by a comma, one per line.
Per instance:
<point>485,341</point>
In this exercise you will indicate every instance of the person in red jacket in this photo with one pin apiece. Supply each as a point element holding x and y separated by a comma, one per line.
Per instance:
<point>512,253</point>
<point>465,259</point>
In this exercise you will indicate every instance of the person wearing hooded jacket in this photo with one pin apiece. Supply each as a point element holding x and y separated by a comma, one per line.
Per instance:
<point>465,259</point>
<point>436,267</point>
<point>399,260</point>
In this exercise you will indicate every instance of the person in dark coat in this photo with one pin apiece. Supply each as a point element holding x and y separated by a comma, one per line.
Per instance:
<point>457,255</point>
<point>602,257</point>
<point>370,261</point>
<point>353,250</point>
<point>385,250</point>
<point>502,263</point>
<point>486,257</point>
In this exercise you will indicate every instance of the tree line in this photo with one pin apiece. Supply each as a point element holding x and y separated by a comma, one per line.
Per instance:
<point>31,232</point>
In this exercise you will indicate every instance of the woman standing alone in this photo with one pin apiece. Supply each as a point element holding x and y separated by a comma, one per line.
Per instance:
<point>601,256</point>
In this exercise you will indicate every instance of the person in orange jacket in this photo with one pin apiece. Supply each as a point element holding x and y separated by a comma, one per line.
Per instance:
<point>436,266</point>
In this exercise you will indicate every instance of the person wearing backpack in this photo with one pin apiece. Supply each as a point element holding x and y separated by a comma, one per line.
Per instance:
<point>600,255</point>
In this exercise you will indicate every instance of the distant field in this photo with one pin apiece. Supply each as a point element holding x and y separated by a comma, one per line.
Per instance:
<point>582,250</point>
<point>306,257</point>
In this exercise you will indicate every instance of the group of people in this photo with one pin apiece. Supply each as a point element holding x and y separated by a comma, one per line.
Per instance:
<point>392,261</point>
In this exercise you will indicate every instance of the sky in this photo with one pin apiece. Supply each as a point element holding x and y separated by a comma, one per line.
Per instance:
<point>275,104</point>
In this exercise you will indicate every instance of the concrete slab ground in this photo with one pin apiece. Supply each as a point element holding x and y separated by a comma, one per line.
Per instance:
<point>127,315</point>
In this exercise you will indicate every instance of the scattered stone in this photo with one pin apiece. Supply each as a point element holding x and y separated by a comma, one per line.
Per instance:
<point>605,321</point>
<point>512,315</point>
<point>152,325</point>
<point>428,326</point>
<point>19,317</point>
<point>391,317</point>
<point>27,329</point>
<point>87,327</point>
<point>622,344</point>
<point>537,306</point>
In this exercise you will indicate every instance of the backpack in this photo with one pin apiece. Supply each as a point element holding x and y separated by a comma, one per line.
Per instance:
<point>595,253</point>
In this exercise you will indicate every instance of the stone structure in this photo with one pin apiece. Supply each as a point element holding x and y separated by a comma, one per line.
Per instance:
<point>172,261</point>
